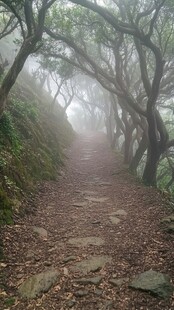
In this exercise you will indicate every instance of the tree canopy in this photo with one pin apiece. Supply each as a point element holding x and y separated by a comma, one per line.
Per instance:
<point>126,46</point>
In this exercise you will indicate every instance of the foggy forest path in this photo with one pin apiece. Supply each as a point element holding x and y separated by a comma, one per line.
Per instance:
<point>98,227</point>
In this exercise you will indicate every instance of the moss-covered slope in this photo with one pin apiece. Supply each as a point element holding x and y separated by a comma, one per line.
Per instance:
<point>32,139</point>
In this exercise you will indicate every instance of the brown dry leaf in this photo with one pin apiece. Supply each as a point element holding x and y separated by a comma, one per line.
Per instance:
<point>3,265</point>
<point>65,271</point>
<point>3,294</point>
<point>69,295</point>
<point>20,282</point>
<point>57,288</point>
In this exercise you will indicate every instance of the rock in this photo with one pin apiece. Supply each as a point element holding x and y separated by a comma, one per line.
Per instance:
<point>86,281</point>
<point>118,282</point>
<point>81,293</point>
<point>19,276</point>
<point>119,212</point>
<point>79,204</point>
<point>71,303</point>
<point>98,292</point>
<point>114,220</point>
<point>37,258</point>
<point>69,259</point>
<point>154,282</point>
<point>38,284</point>
<point>86,241</point>
<point>92,264</point>
<point>170,228</point>
<point>41,232</point>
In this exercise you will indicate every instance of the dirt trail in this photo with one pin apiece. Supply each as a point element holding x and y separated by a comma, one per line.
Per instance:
<point>83,203</point>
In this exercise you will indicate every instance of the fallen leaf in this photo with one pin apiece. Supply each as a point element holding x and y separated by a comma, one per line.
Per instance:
<point>65,271</point>
<point>3,293</point>
<point>3,265</point>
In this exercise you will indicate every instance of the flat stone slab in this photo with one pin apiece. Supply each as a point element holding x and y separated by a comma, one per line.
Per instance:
<point>86,281</point>
<point>79,204</point>
<point>92,264</point>
<point>36,285</point>
<point>119,212</point>
<point>40,231</point>
<point>114,220</point>
<point>86,241</point>
<point>71,303</point>
<point>69,259</point>
<point>81,293</point>
<point>154,282</point>
<point>118,282</point>
<point>97,200</point>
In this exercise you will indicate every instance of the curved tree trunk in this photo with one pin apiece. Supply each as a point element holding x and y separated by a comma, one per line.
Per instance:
<point>12,75</point>
<point>127,146</point>
<point>150,171</point>
<point>139,154</point>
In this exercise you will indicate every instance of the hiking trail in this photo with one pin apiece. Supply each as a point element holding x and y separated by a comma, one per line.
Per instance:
<point>92,232</point>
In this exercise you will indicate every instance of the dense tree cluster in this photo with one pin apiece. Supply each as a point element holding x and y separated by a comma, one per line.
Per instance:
<point>116,58</point>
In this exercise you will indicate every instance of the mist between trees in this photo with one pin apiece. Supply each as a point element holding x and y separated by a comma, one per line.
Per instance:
<point>112,61</point>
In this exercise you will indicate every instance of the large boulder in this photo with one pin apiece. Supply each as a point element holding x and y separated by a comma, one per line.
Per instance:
<point>92,264</point>
<point>154,282</point>
<point>36,285</point>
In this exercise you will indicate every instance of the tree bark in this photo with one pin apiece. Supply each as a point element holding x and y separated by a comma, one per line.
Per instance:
<point>139,154</point>
<point>127,146</point>
<point>12,75</point>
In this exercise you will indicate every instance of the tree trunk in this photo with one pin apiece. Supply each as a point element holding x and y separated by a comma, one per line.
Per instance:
<point>153,152</point>
<point>115,140</point>
<point>150,171</point>
<point>26,49</point>
<point>127,146</point>
<point>139,154</point>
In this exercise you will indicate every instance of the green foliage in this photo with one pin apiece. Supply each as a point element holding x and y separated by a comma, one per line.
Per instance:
<point>31,144</point>
<point>62,68</point>
<point>1,255</point>
<point>10,301</point>
<point>164,175</point>
<point>5,209</point>
<point>25,109</point>
<point>8,135</point>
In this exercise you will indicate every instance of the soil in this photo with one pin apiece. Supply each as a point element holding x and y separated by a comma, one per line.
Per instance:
<point>93,186</point>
